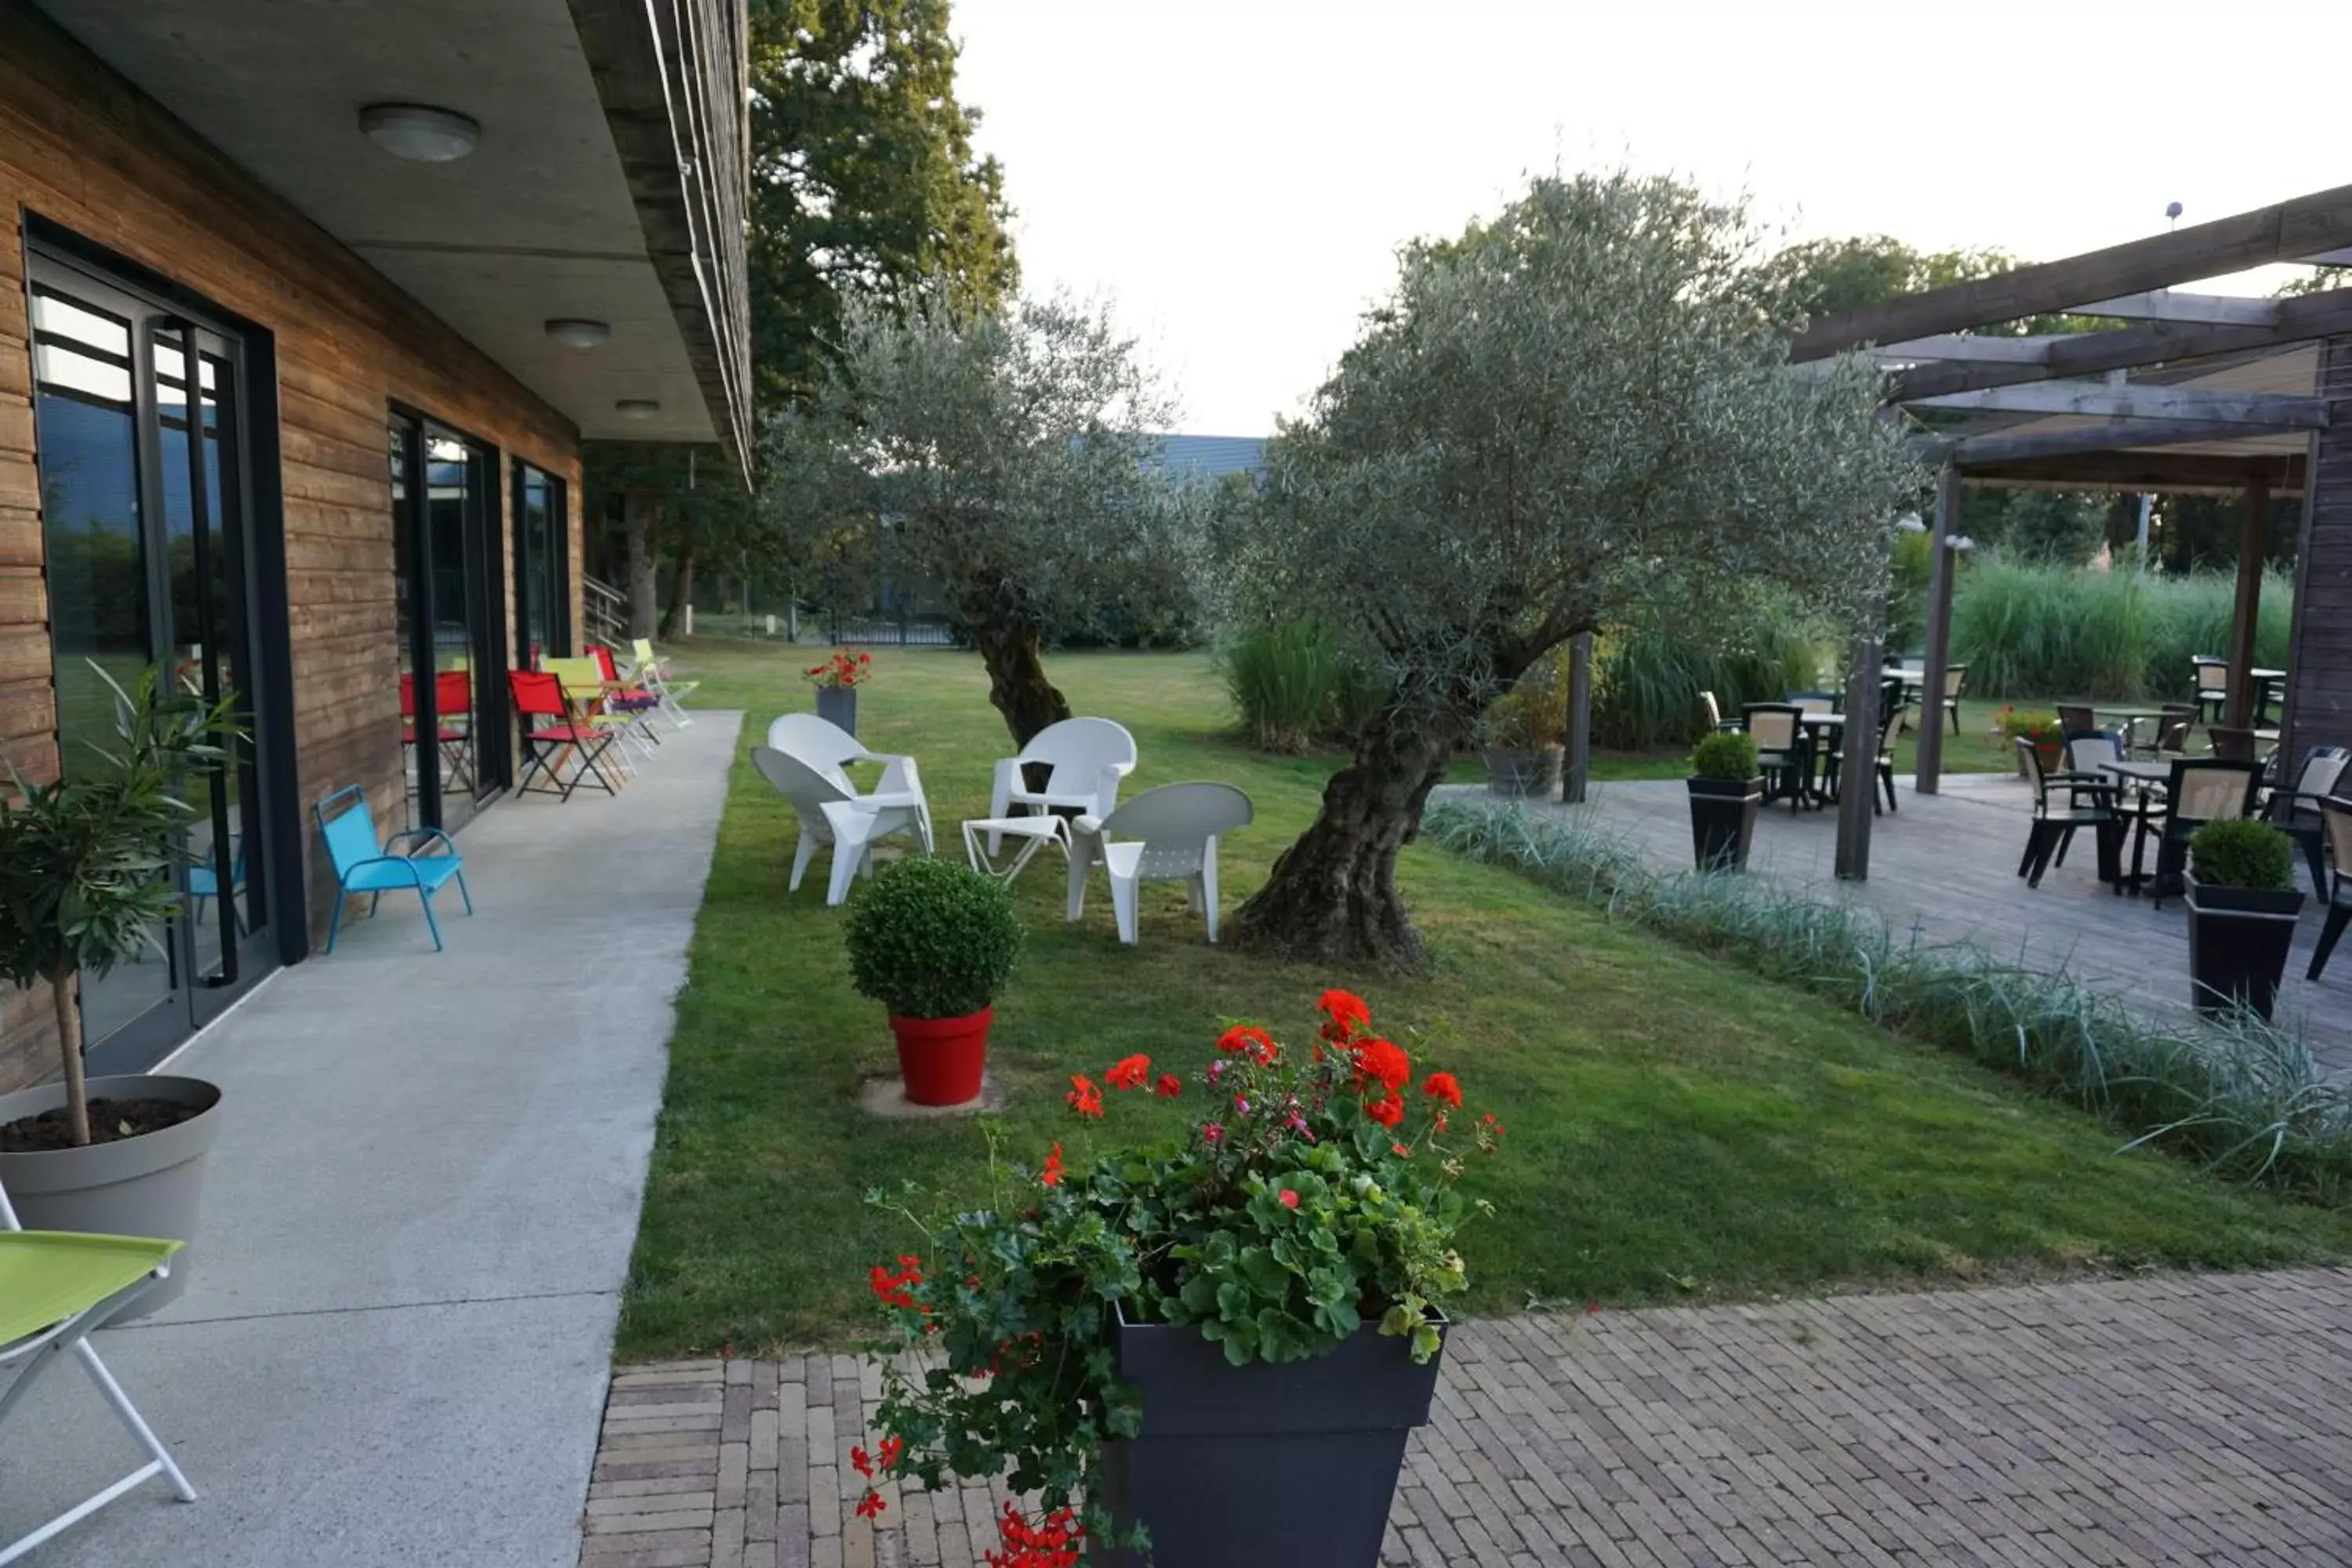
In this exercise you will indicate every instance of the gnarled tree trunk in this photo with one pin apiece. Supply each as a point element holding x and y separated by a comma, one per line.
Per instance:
<point>1016,677</point>
<point>640,516</point>
<point>681,594</point>
<point>1333,893</point>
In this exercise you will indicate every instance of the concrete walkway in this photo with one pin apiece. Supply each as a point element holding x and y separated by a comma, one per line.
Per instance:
<point>418,1218</point>
<point>2179,1419</point>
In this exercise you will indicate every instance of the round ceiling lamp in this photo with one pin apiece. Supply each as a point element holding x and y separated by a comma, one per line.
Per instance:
<point>420,132</point>
<point>579,333</point>
<point>636,407</point>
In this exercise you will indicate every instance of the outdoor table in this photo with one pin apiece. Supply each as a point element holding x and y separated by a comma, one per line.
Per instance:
<point>1033,831</point>
<point>2131,715</point>
<point>2266,685</point>
<point>2151,778</point>
<point>1822,733</point>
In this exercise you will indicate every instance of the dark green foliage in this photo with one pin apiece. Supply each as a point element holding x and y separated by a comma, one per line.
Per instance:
<point>2061,528</point>
<point>932,939</point>
<point>2243,853</point>
<point>1726,754</point>
<point>2028,629</point>
<point>1296,686</point>
<point>1646,686</point>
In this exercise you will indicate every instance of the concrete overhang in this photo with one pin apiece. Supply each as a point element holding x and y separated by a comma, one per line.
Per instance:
<point>541,220</point>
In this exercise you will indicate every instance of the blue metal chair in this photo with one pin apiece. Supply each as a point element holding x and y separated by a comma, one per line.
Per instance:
<point>203,883</point>
<point>362,866</point>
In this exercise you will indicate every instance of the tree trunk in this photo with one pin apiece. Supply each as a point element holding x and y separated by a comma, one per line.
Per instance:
<point>681,593</point>
<point>1332,896</point>
<point>63,990</point>
<point>1017,680</point>
<point>639,513</point>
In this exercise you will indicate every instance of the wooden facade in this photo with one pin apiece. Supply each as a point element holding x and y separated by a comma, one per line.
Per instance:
<point>2319,662</point>
<point>84,151</point>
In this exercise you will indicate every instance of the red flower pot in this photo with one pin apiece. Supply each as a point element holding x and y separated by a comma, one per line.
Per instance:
<point>941,1059</point>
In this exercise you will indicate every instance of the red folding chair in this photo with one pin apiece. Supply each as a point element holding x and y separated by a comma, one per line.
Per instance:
<point>548,728</point>
<point>626,697</point>
<point>453,694</point>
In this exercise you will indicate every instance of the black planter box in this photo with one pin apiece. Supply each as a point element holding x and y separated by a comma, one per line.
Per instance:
<point>1519,773</point>
<point>1723,821</point>
<point>2237,941</point>
<point>1260,1466</point>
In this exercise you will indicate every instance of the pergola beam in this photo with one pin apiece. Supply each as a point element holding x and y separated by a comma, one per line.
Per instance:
<point>2205,310</point>
<point>2179,473</point>
<point>1997,447</point>
<point>2312,316</point>
<point>2287,232</point>
<point>2263,410</point>
<point>1988,350</point>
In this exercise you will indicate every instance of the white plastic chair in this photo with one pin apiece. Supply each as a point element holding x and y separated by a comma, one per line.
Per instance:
<point>1163,835</point>
<point>58,1289</point>
<point>1087,757</point>
<point>831,811</point>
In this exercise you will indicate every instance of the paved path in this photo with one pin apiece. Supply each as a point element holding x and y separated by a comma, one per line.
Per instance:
<point>2187,1419</point>
<point>417,1219</point>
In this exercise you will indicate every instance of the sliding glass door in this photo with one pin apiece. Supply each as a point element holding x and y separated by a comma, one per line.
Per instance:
<point>543,533</point>
<point>452,599</point>
<point>140,415</point>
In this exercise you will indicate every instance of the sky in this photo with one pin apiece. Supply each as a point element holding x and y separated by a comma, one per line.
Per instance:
<point>1236,177</point>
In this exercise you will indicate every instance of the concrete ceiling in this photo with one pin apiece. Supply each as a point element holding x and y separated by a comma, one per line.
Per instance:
<point>538,222</point>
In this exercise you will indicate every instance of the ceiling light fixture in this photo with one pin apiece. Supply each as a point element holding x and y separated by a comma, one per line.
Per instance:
<point>420,132</point>
<point>636,407</point>
<point>579,333</point>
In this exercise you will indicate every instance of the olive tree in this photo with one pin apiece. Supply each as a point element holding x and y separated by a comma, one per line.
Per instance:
<point>1571,411</point>
<point>1007,456</point>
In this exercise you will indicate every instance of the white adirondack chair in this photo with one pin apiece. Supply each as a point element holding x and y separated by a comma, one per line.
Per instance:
<point>832,811</point>
<point>1163,835</point>
<point>1087,757</point>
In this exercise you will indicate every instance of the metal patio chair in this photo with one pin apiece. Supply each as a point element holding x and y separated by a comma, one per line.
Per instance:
<point>551,729</point>
<point>56,1286</point>
<point>2063,805</point>
<point>2336,814</point>
<point>1782,753</point>
<point>2297,812</point>
<point>363,865</point>
<point>2202,789</point>
<point>2212,687</point>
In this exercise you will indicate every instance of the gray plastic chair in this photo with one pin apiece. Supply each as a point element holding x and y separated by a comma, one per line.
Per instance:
<point>832,811</point>
<point>1163,835</point>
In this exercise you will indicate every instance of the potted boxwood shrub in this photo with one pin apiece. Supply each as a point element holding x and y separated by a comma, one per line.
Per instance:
<point>837,681</point>
<point>86,879</point>
<point>1725,790</point>
<point>934,942</point>
<point>1523,734</point>
<point>1206,1351</point>
<point>2242,904</point>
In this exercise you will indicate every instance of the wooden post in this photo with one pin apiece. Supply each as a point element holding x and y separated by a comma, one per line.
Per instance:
<point>2238,709</point>
<point>2290,755</point>
<point>1858,780</point>
<point>1579,718</point>
<point>1939,631</point>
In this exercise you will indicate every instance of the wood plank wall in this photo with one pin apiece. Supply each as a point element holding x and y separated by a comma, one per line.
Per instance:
<point>2320,668</point>
<point>84,149</point>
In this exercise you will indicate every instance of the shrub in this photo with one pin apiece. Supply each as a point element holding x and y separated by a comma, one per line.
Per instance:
<point>1726,754</point>
<point>2243,853</point>
<point>2242,1095</point>
<point>1295,687</point>
<point>1646,684</point>
<point>1533,713</point>
<point>2027,629</point>
<point>932,939</point>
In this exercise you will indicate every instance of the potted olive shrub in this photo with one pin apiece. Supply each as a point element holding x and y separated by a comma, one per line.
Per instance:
<point>1522,734</point>
<point>935,942</point>
<point>1726,791</point>
<point>86,883</point>
<point>2242,904</point>
<point>1203,1351</point>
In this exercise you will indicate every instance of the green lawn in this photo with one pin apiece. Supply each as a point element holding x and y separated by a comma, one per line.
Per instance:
<point>1677,1130</point>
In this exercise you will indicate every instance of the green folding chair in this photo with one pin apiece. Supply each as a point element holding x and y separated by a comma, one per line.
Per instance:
<point>55,1288</point>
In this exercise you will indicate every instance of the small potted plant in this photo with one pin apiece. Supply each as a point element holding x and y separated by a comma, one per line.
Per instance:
<point>935,942</point>
<point>1202,1352</point>
<point>1523,734</point>
<point>2242,904</point>
<point>2013,724</point>
<point>87,881</point>
<point>1726,791</point>
<point>837,681</point>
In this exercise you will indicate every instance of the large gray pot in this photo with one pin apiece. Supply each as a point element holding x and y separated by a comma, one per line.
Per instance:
<point>149,1186</point>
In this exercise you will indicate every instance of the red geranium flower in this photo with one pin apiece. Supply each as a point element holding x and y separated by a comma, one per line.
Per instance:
<point>1170,1087</point>
<point>1441,1086</point>
<point>1051,1175</point>
<point>1388,1110</point>
<point>871,1504</point>
<point>1287,1198</point>
<point>888,1456</point>
<point>1249,1040</point>
<point>1084,1096</point>
<point>1383,1061</point>
<point>1129,1072</point>
<point>892,1289</point>
<point>1343,1014</point>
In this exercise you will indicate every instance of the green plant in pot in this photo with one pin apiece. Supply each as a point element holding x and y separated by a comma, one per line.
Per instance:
<point>88,866</point>
<point>1726,793</point>
<point>1203,1348</point>
<point>1523,733</point>
<point>935,942</point>
<point>2242,907</point>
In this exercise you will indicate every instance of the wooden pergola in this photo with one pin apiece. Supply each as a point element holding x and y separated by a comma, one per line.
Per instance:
<point>2194,392</point>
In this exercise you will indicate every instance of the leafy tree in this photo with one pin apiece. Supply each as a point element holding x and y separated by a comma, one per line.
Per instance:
<point>2065,528</point>
<point>1557,418</point>
<point>1821,278</point>
<point>1007,456</point>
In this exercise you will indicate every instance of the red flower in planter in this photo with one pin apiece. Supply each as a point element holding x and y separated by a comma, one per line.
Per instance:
<point>1129,1072</point>
<point>1343,1014</point>
<point>871,1504</point>
<point>1053,1541</point>
<point>1442,1086</point>
<point>1249,1040</point>
<point>1388,1110</point>
<point>893,1287</point>
<point>1382,1061</point>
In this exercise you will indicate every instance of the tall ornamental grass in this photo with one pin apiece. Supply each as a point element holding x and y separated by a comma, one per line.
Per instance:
<point>1295,687</point>
<point>2027,629</point>
<point>1646,686</point>
<point>2241,1096</point>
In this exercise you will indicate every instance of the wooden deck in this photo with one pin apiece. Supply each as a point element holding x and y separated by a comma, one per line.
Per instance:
<point>1946,867</point>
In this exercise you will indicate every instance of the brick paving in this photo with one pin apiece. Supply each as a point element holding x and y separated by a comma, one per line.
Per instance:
<point>2191,1419</point>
